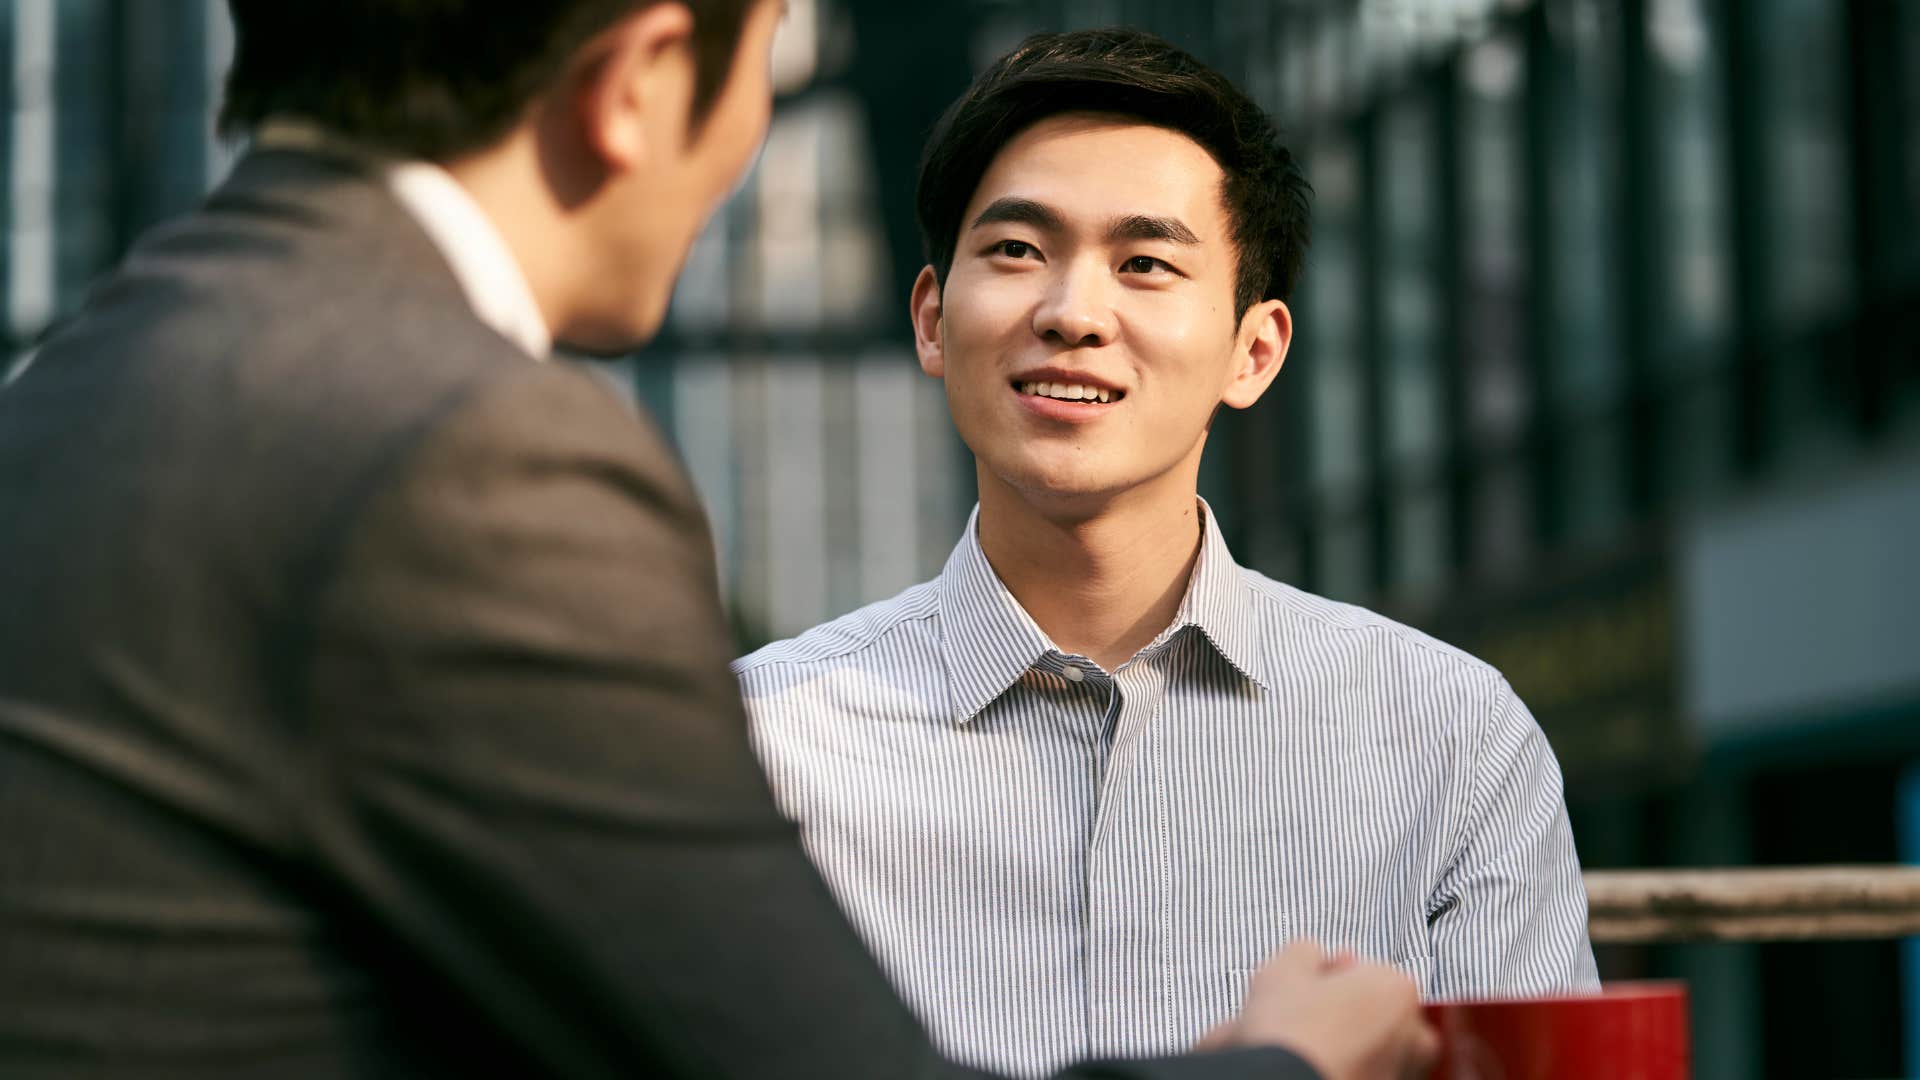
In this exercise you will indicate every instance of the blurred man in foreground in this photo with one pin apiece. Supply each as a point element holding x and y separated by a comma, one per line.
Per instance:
<point>363,703</point>
<point>1074,788</point>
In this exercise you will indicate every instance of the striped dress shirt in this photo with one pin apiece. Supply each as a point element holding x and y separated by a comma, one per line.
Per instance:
<point>1053,861</point>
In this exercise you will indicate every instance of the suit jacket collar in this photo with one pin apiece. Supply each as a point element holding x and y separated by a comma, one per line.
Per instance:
<point>471,244</point>
<point>337,204</point>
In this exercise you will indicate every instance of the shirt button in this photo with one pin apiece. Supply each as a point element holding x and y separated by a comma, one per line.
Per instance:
<point>1073,674</point>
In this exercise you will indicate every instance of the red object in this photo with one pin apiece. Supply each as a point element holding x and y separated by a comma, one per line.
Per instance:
<point>1628,1031</point>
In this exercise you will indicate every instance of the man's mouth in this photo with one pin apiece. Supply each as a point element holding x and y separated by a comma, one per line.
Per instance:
<point>1070,392</point>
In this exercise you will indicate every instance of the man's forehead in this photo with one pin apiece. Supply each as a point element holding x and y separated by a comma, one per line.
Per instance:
<point>1094,167</point>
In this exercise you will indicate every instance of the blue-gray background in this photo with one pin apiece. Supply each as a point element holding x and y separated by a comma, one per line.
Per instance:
<point>1606,370</point>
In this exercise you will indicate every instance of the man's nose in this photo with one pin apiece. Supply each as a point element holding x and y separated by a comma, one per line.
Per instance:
<point>1076,309</point>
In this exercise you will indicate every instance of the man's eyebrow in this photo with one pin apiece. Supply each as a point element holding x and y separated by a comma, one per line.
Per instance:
<point>1021,212</point>
<point>1148,227</point>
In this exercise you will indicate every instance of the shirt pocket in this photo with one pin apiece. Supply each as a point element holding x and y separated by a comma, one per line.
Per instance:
<point>1221,997</point>
<point>1419,967</point>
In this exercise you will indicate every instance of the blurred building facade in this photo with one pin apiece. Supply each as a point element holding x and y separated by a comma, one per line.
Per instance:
<point>1606,371</point>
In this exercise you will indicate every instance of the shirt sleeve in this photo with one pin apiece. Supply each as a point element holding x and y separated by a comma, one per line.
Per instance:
<point>1510,914</point>
<point>533,776</point>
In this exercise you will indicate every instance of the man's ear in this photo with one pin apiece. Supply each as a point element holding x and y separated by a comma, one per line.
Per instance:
<point>925,309</point>
<point>635,86</point>
<point>1265,332</point>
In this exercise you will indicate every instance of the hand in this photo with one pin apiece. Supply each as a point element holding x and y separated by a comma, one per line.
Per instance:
<point>1349,1019</point>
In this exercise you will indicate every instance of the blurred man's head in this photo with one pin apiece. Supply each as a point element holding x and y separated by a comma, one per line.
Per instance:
<point>1112,229</point>
<point>624,121</point>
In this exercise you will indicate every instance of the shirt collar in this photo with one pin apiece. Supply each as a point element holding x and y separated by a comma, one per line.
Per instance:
<point>495,286</point>
<point>989,641</point>
<point>1219,603</point>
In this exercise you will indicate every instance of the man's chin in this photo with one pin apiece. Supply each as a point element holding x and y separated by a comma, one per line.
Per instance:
<point>612,335</point>
<point>611,343</point>
<point>1075,490</point>
<point>601,348</point>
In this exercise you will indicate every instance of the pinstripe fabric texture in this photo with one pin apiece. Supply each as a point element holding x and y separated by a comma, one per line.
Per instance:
<point>1053,861</point>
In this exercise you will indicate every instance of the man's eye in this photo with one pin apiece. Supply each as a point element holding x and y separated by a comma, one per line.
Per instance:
<point>1143,264</point>
<point>1014,249</point>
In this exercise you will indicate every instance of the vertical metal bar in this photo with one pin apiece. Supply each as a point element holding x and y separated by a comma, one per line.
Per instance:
<point>1373,347</point>
<point>33,163</point>
<point>1637,264</point>
<point>121,129</point>
<point>1544,94</point>
<point>1454,268</point>
<point>16,106</point>
<point>1881,221</point>
<point>1745,97</point>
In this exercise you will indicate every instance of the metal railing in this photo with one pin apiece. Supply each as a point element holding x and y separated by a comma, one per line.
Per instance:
<point>1802,903</point>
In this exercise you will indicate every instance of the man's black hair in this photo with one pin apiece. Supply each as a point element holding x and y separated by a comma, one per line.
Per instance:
<point>1130,73</point>
<point>432,78</point>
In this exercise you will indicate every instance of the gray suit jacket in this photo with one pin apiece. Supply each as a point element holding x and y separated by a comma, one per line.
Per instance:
<point>364,706</point>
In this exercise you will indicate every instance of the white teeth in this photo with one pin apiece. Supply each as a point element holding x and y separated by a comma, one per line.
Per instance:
<point>1066,391</point>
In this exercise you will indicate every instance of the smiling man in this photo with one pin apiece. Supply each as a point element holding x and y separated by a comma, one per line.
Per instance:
<point>1072,789</point>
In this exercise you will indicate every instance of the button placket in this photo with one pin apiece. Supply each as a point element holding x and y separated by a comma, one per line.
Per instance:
<point>1105,919</point>
<point>1121,899</point>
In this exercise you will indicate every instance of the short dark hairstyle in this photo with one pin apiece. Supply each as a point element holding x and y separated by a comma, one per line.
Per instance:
<point>1130,73</point>
<point>432,78</point>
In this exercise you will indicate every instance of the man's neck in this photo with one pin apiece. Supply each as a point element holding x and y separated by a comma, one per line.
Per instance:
<point>1104,584</point>
<point>500,181</point>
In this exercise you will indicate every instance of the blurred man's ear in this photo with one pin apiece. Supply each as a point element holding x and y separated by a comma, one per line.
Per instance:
<point>925,310</point>
<point>1265,332</point>
<point>634,94</point>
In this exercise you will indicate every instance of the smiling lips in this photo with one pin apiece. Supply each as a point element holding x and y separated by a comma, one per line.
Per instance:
<point>1062,391</point>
